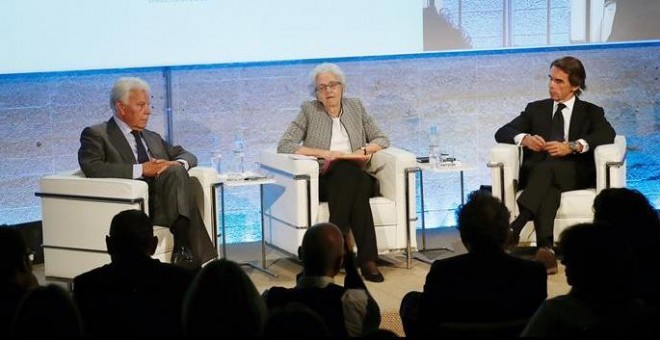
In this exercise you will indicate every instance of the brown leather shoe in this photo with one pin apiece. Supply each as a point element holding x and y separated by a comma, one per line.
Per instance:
<point>547,257</point>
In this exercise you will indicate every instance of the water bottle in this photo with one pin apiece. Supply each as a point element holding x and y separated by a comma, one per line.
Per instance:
<point>239,151</point>
<point>434,147</point>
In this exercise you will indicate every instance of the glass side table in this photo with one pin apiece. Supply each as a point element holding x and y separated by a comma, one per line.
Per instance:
<point>459,167</point>
<point>223,182</point>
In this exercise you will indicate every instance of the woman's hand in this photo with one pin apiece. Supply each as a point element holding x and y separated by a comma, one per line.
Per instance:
<point>329,154</point>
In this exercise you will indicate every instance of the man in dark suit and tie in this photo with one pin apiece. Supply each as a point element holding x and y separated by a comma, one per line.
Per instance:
<point>558,136</point>
<point>122,147</point>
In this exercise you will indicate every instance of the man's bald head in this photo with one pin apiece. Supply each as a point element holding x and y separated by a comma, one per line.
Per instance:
<point>322,250</point>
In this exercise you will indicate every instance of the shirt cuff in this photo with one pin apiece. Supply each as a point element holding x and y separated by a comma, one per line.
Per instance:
<point>184,162</point>
<point>137,171</point>
<point>585,145</point>
<point>519,137</point>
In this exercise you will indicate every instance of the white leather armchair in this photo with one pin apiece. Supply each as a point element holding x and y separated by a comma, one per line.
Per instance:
<point>77,211</point>
<point>291,204</point>
<point>576,205</point>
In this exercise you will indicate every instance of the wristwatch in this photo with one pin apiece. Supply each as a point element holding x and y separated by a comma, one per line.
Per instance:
<point>573,146</point>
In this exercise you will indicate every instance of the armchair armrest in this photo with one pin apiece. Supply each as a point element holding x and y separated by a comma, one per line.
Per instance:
<point>293,165</point>
<point>296,185</point>
<point>205,177</point>
<point>77,210</point>
<point>389,166</point>
<point>507,154</point>
<point>504,161</point>
<point>611,164</point>
<point>75,185</point>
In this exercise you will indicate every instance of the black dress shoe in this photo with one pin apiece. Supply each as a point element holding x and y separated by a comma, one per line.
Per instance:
<point>183,257</point>
<point>372,276</point>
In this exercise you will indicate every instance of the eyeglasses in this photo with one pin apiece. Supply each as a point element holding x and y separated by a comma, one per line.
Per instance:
<point>329,86</point>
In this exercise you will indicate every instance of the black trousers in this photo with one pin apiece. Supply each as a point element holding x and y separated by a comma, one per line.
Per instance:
<point>543,183</point>
<point>170,197</point>
<point>347,189</point>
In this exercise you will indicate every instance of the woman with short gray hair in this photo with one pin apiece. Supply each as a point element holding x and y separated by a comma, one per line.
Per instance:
<point>343,136</point>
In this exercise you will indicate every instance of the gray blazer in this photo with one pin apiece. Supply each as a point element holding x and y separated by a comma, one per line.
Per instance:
<point>104,151</point>
<point>313,127</point>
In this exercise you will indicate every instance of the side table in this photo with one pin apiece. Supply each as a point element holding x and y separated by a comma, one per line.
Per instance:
<point>223,182</point>
<point>459,167</point>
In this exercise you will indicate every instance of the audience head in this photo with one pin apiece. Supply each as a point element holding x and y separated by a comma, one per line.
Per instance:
<point>47,311</point>
<point>629,209</point>
<point>131,235</point>
<point>598,265</point>
<point>130,101</point>
<point>322,250</point>
<point>222,300</point>
<point>629,213</point>
<point>577,75</point>
<point>15,264</point>
<point>296,320</point>
<point>483,222</point>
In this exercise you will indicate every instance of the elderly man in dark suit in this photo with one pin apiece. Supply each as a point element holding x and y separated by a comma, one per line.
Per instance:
<point>122,147</point>
<point>558,136</point>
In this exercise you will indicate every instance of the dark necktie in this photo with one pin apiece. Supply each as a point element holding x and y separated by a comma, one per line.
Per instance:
<point>141,151</point>
<point>557,133</point>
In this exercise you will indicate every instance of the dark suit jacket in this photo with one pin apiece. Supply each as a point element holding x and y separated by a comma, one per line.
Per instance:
<point>481,287</point>
<point>141,297</point>
<point>587,122</point>
<point>104,152</point>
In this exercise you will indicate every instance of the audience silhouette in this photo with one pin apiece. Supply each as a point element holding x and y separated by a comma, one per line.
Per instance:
<point>223,301</point>
<point>295,320</point>
<point>486,285</point>
<point>134,294</point>
<point>633,219</point>
<point>612,266</point>
<point>16,275</point>
<point>47,311</point>
<point>600,301</point>
<point>347,311</point>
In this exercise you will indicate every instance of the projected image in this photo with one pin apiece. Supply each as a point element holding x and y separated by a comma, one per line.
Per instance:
<point>459,24</point>
<point>52,36</point>
<point>635,20</point>
<point>440,32</point>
